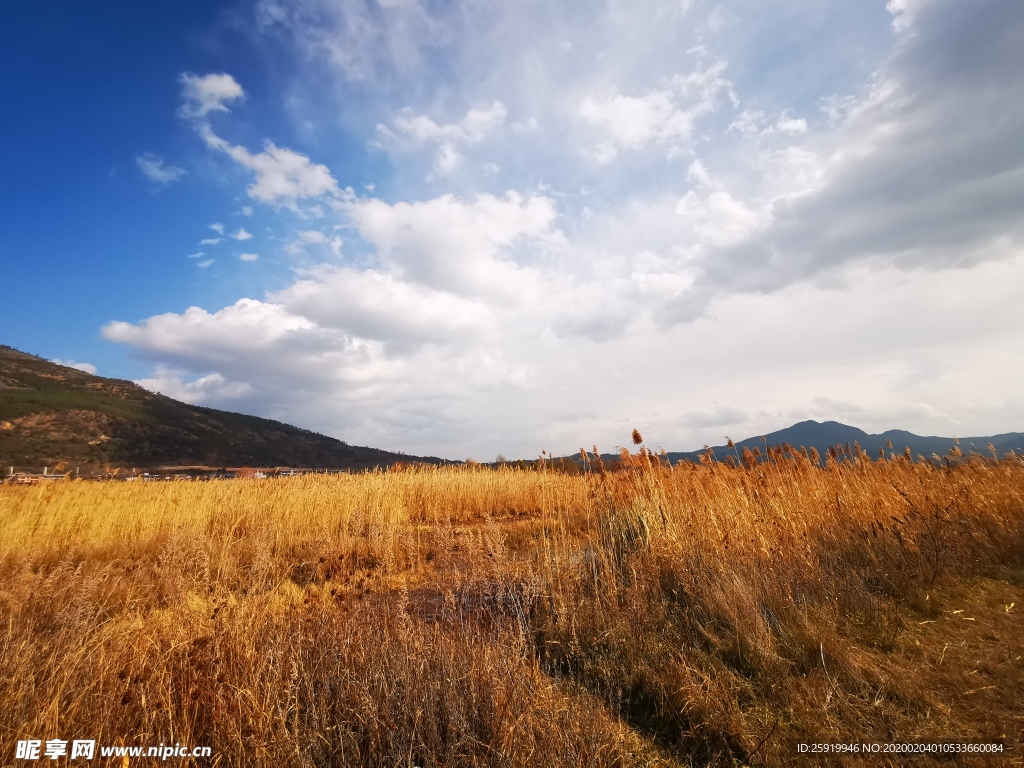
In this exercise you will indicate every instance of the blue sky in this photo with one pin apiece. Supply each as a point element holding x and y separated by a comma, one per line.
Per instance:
<point>465,228</point>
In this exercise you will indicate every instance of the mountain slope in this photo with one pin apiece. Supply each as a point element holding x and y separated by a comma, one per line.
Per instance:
<point>822,435</point>
<point>51,413</point>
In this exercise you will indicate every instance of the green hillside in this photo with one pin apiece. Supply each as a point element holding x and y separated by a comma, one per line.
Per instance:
<point>51,413</point>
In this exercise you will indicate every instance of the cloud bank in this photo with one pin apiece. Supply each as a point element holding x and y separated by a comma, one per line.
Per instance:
<point>643,215</point>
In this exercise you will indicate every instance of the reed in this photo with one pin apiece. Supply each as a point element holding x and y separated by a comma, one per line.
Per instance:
<point>698,614</point>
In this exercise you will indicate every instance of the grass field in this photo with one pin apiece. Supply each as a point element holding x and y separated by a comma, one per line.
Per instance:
<point>706,614</point>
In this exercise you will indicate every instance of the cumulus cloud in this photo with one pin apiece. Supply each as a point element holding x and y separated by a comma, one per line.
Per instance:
<point>282,175</point>
<point>311,236</point>
<point>411,130</point>
<point>756,122</point>
<point>446,160</point>
<point>170,382</point>
<point>721,220</point>
<point>154,169</point>
<point>904,12</point>
<point>794,125</point>
<point>474,127</point>
<point>887,183</point>
<point>504,376</point>
<point>362,40</point>
<point>246,325</point>
<point>830,211</point>
<point>749,122</point>
<point>202,95</point>
<point>662,117</point>
<point>277,351</point>
<point>380,306</point>
<point>84,367</point>
<point>241,234</point>
<point>530,124</point>
<point>456,245</point>
<point>248,256</point>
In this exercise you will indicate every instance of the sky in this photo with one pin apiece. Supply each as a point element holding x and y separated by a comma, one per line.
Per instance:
<point>474,227</point>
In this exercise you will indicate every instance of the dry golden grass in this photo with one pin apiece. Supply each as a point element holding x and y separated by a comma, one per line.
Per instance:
<point>692,615</point>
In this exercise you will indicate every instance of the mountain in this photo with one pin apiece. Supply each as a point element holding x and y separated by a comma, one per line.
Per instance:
<point>822,435</point>
<point>51,413</point>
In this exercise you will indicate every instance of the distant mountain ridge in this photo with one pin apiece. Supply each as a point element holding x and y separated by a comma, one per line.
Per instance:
<point>822,435</point>
<point>51,413</point>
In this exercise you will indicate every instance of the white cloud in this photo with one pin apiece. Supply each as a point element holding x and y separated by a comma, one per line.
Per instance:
<point>196,255</point>
<point>791,125</point>
<point>211,240</point>
<point>310,237</point>
<point>248,256</point>
<point>202,95</point>
<point>755,122</point>
<point>501,385</point>
<point>446,160</point>
<point>844,225</point>
<point>904,12</point>
<point>218,228</point>
<point>531,124</point>
<point>380,306</point>
<point>474,127</point>
<point>267,346</point>
<point>363,41</point>
<point>636,121</point>
<point>281,174</point>
<point>479,122</point>
<point>205,263</point>
<point>246,324</point>
<point>154,169</point>
<point>454,245</point>
<point>664,116</point>
<point>886,183</point>
<point>84,367</point>
<point>170,382</point>
<point>720,220</point>
<point>411,130</point>
<point>241,234</point>
<point>749,123</point>
<point>246,210</point>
